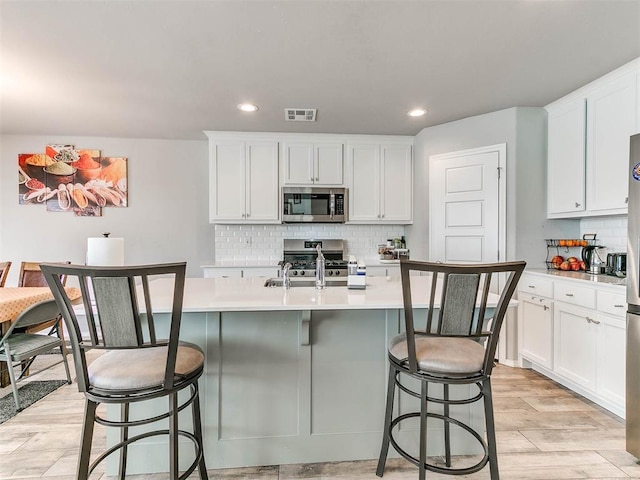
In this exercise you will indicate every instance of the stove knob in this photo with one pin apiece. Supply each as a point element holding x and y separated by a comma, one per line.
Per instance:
<point>295,272</point>
<point>338,273</point>
<point>302,272</point>
<point>329,272</point>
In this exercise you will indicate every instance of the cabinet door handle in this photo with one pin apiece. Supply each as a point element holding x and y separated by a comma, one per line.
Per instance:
<point>311,179</point>
<point>305,324</point>
<point>578,205</point>
<point>626,199</point>
<point>591,320</point>
<point>545,308</point>
<point>569,294</point>
<point>317,179</point>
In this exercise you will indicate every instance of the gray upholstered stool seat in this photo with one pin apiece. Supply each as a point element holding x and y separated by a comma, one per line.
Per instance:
<point>437,354</point>
<point>122,370</point>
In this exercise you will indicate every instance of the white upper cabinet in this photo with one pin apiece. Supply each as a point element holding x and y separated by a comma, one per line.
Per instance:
<point>611,120</point>
<point>243,181</point>
<point>588,146</point>
<point>566,167</point>
<point>380,182</point>
<point>308,163</point>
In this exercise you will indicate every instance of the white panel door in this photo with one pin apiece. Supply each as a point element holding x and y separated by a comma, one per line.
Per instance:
<point>465,205</point>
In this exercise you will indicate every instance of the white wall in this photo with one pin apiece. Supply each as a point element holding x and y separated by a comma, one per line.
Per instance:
<point>611,231</point>
<point>166,219</point>
<point>524,132</point>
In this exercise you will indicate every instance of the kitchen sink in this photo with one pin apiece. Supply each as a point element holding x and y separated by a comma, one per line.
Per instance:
<point>311,282</point>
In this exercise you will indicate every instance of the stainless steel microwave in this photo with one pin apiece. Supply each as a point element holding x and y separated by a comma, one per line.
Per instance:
<point>314,205</point>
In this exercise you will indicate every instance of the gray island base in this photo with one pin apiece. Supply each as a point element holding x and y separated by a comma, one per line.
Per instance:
<point>295,376</point>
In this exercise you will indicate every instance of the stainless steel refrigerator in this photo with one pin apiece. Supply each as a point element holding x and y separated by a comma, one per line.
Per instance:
<point>633,300</point>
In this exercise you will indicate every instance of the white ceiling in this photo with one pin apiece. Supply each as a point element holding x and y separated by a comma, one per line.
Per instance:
<point>171,69</point>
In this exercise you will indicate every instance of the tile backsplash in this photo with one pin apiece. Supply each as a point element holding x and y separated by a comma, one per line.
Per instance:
<point>611,231</point>
<point>263,243</point>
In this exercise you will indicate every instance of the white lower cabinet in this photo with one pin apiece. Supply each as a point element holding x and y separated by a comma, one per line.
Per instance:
<point>537,329</point>
<point>574,332</point>
<point>610,351</point>
<point>383,271</point>
<point>575,344</point>
<point>241,272</point>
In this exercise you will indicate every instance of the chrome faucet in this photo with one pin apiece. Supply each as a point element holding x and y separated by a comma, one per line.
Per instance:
<point>320,279</point>
<point>286,281</point>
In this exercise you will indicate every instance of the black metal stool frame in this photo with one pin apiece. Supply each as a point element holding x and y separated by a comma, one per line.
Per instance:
<point>117,322</point>
<point>408,366</point>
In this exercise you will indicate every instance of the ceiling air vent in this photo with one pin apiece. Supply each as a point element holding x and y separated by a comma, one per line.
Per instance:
<point>300,114</point>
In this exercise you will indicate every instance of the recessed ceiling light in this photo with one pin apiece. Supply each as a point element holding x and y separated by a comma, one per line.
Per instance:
<point>417,112</point>
<point>247,107</point>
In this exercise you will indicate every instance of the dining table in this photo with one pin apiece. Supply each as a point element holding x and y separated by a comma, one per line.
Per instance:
<point>13,301</point>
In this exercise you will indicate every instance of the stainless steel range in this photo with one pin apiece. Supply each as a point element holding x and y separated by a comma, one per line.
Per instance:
<point>302,254</point>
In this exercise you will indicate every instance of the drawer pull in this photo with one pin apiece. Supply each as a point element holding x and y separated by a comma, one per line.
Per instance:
<point>619,306</point>
<point>591,320</point>
<point>532,286</point>
<point>569,294</point>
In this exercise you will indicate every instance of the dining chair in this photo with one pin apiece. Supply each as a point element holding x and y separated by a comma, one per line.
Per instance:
<point>137,364</point>
<point>17,346</point>
<point>31,275</point>
<point>4,271</point>
<point>449,341</point>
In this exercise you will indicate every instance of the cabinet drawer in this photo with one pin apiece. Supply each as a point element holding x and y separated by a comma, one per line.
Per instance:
<point>536,286</point>
<point>612,303</point>
<point>222,272</point>
<point>575,295</point>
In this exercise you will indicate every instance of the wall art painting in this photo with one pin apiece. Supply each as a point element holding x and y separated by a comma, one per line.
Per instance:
<point>66,179</point>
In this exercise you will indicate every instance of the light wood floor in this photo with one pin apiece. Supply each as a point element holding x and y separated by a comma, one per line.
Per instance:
<point>544,432</point>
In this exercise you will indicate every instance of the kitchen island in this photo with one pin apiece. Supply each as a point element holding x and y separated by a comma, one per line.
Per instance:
<point>293,376</point>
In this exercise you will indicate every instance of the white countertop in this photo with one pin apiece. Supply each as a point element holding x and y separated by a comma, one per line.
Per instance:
<point>250,294</point>
<point>582,277</point>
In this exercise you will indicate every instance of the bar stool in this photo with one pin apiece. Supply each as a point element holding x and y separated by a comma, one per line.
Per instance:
<point>456,346</point>
<point>135,366</point>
